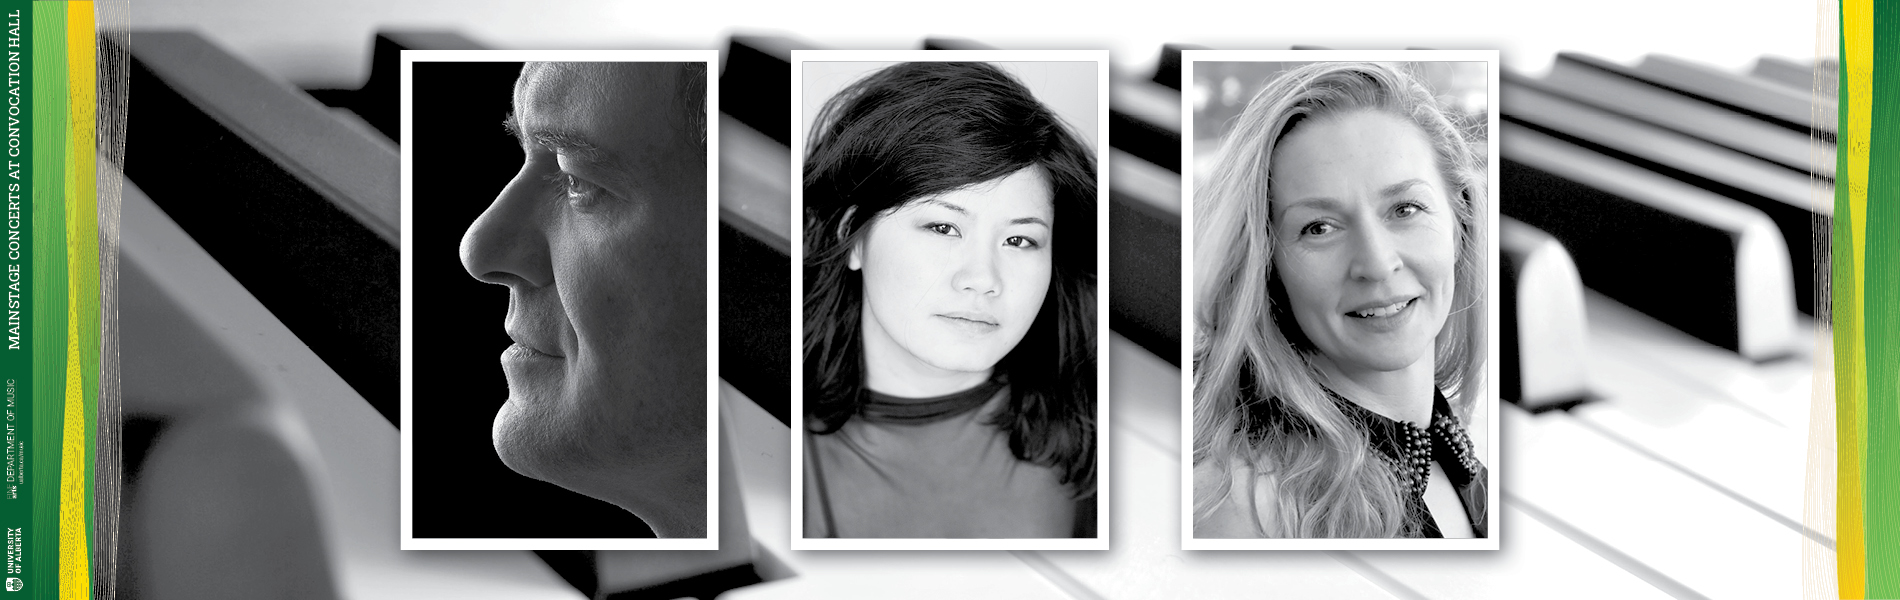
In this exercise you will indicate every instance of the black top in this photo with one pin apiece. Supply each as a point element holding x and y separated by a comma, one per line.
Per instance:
<point>1404,446</point>
<point>1409,450</point>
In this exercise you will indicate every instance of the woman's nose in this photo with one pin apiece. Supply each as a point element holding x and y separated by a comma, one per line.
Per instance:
<point>978,272</point>
<point>507,244</point>
<point>1375,254</point>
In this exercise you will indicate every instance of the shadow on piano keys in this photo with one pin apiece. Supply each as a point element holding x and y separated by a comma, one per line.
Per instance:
<point>1671,466</point>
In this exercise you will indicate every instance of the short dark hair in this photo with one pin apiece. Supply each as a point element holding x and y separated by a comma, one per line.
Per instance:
<point>916,130</point>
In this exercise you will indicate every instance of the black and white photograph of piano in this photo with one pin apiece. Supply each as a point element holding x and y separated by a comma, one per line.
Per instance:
<point>954,222</point>
<point>557,216</point>
<point>1343,308</point>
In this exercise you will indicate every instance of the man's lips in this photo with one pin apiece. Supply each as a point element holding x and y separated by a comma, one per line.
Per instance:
<point>531,347</point>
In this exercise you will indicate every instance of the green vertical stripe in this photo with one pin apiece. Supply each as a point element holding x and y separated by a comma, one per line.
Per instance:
<point>49,287</point>
<point>1882,247</point>
<point>16,358</point>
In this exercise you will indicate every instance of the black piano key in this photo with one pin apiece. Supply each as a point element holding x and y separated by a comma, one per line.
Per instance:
<point>1782,194</point>
<point>378,101</point>
<point>1709,266</point>
<point>1144,215</point>
<point>755,256</point>
<point>299,207</point>
<point>756,85</point>
<point>1168,69</point>
<point>1612,87</point>
<point>1541,321</point>
<point>1793,110</point>
<point>1144,120</point>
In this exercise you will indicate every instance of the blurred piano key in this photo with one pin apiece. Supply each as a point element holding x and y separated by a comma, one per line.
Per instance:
<point>379,101</point>
<point>1643,515</point>
<point>756,83</point>
<point>1818,79</point>
<point>1534,562</point>
<point>1783,195</point>
<point>1612,87</point>
<point>298,206</point>
<point>1705,264</point>
<point>1792,110</point>
<point>1542,320</point>
<point>248,419</point>
<point>1168,69</point>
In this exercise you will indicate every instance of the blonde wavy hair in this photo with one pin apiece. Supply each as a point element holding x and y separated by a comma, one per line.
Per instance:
<point>1258,399</point>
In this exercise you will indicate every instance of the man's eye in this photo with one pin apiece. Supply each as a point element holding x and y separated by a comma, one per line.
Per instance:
<point>942,229</point>
<point>577,191</point>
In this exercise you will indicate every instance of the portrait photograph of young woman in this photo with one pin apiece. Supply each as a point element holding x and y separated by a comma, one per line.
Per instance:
<point>1342,309</point>
<point>950,321</point>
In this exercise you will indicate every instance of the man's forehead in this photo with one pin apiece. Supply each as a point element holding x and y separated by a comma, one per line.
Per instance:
<point>620,99</point>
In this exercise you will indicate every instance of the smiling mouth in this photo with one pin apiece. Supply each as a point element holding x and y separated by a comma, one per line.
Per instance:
<point>1388,310</point>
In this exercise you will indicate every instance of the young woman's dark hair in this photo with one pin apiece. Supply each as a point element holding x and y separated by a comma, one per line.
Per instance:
<point>915,130</point>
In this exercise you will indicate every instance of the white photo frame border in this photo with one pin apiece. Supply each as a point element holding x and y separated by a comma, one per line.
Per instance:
<point>710,58</point>
<point>1102,283</point>
<point>1495,531</point>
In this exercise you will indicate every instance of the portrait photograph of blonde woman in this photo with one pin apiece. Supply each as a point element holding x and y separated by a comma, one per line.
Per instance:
<point>1341,313</point>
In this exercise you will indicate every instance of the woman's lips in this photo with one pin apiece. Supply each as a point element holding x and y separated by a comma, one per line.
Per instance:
<point>1382,310</point>
<point>969,322</point>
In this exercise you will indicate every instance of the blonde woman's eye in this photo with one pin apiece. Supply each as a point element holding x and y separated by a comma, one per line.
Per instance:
<point>942,229</point>
<point>1317,228</point>
<point>1026,243</point>
<point>1407,209</point>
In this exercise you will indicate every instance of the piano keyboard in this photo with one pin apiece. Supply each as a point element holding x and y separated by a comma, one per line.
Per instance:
<point>1671,468</point>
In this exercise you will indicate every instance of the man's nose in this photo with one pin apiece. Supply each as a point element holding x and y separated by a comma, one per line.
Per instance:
<point>507,245</point>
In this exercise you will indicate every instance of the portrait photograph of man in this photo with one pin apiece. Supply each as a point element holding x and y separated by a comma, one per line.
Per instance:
<point>557,389</point>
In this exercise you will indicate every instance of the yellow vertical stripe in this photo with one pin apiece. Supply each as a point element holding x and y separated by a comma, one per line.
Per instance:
<point>1857,36</point>
<point>75,573</point>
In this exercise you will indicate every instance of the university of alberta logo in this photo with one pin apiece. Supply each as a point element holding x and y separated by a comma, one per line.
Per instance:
<point>14,584</point>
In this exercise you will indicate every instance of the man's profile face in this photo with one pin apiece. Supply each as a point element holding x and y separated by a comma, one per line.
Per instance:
<point>600,239</point>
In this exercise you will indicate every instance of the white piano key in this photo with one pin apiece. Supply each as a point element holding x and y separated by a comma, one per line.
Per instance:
<point>754,190</point>
<point>1549,319</point>
<point>1645,512</point>
<point>1779,389</point>
<point>1145,559</point>
<point>1533,562</point>
<point>1145,393</point>
<point>349,450</point>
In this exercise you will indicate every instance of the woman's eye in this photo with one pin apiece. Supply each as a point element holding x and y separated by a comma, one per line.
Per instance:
<point>1407,209</point>
<point>1017,241</point>
<point>1316,228</point>
<point>941,229</point>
